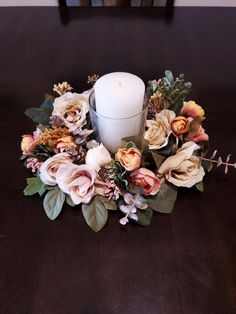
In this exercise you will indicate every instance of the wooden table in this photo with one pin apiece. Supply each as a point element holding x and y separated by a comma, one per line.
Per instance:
<point>184,262</point>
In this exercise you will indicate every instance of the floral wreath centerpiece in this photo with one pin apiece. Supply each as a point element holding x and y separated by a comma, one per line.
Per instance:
<point>71,164</point>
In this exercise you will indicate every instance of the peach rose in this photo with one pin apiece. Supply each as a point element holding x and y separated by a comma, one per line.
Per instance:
<point>130,158</point>
<point>179,125</point>
<point>77,181</point>
<point>191,109</point>
<point>64,143</point>
<point>50,167</point>
<point>27,144</point>
<point>158,130</point>
<point>199,136</point>
<point>71,108</point>
<point>147,180</point>
<point>28,141</point>
<point>183,169</point>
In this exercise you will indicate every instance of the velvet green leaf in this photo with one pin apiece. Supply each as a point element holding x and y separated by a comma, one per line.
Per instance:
<point>139,141</point>
<point>165,199</point>
<point>34,185</point>
<point>131,145</point>
<point>69,201</point>
<point>109,204</point>
<point>144,216</point>
<point>39,115</point>
<point>95,214</point>
<point>157,158</point>
<point>199,186</point>
<point>53,203</point>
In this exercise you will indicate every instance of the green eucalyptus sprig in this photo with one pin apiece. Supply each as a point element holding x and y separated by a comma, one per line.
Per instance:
<point>173,91</point>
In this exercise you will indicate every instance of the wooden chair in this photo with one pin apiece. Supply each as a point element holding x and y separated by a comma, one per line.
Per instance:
<point>114,3</point>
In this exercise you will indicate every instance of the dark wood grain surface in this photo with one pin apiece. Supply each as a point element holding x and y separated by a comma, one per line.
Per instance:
<point>184,262</point>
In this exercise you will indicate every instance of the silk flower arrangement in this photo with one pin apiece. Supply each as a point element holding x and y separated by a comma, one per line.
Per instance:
<point>70,166</point>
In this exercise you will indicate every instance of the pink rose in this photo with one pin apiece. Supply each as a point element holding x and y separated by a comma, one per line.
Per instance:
<point>49,168</point>
<point>191,109</point>
<point>146,179</point>
<point>199,136</point>
<point>130,158</point>
<point>77,181</point>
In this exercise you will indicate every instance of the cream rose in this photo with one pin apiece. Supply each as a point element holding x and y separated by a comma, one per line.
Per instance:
<point>50,167</point>
<point>158,131</point>
<point>97,157</point>
<point>71,108</point>
<point>77,181</point>
<point>183,169</point>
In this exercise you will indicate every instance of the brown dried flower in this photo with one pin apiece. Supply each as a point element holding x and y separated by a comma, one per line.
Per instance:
<point>50,137</point>
<point>92,79</point>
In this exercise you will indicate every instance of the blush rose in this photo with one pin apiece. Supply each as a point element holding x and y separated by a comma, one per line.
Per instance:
<point>77,181</point>
<point>145,179</point>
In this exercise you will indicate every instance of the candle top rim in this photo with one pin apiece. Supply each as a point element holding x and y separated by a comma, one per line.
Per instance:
<point>120,84</point>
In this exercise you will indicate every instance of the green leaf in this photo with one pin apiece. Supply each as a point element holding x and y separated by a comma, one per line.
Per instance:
<point>165,151</point>
<point>39,115</point>
<point>53,203</point>
<point>199,186</point>
<point>131,145</point>
<point>144,216</point>
<point>95,214</point>
<point>69,201</point>
<point>109,204</point>
<point>34,185</point>
<point>139,141</point>
<point>42,114</point>
<point>157,158</point>
<point>165,199</point>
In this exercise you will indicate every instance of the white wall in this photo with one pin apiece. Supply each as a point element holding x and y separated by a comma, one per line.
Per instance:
<point>17,3</point>
<point>177,3</point>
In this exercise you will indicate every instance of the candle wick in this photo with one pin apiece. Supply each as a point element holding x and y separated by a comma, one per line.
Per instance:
<point>120,84</point>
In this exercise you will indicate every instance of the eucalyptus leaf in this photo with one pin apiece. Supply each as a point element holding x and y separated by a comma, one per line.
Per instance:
<point>95,214</point>
<point>165,199</point>
<point>199,186</point>
<point>144,216</point>
<point>34,185</point>
<point>53,203</point>
<point>169,78</point>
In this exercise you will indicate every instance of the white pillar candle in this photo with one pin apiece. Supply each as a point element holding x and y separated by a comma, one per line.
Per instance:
<point>119,98</point>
